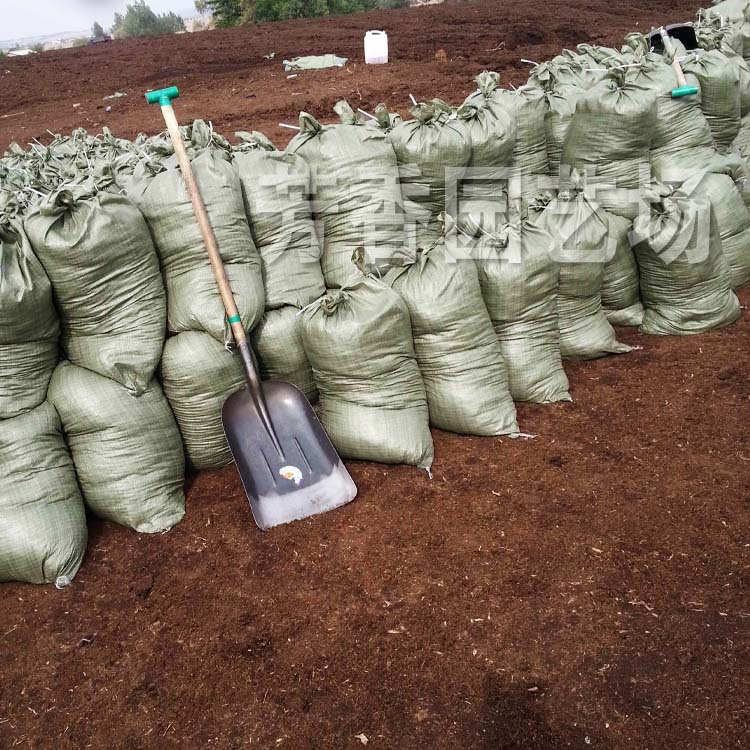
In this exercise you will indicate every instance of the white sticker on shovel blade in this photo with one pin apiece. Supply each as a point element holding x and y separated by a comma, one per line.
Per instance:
<point>292,473</point>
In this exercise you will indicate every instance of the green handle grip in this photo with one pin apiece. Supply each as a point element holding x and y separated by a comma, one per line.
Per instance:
<point>684,91</point>
<point>162,97</point>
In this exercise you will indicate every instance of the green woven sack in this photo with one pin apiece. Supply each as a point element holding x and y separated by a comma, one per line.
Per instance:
<point>356,193</point>
<point>433,150</point>
<point>97,251</point>
<point>724,40</point>
<point>193,301</point>
<point>526,107</point>
<point>684,275</point>
<point>561,108</point>
<point>519,282</point>
<point>484,188</point>
<point>198,375</point>
<point>682,142</point>
<point>733,221</point>
<point>621,293</point>
<point>276,191</point>
<point>719,93</point>
<point>372,398</point>
<point>731,10</point>
<point>567,70</point>
<point>42,520</point>
<point>609,140</point>
<point>492,135</point>
<point>383,119</point>
<point>28,324</point>
<point>583,247</point>
<point>127,450</point>
<point>457,351</point>
<point>741,144</point>
<point>277,343</point>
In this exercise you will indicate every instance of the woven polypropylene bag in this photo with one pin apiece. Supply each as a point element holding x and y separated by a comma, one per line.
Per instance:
<point>372,399</point>
<point>277,343</point>
<point>29,329</point>
<point>621,294</point>
<point>561,107</point>
<point>682,141</point>
<point>527,108</point>
<point>193,301</point>
<point>42,519</point>
<point>519,282</point>
<point>457,350</point>
<point>99,256</point>
<point>492,134</point>
<point>276,192</point>
<point>733,221</point>
<point>583,247</point>
<point>711,37</point>
<point>484,187</point>
<point>609,140</point>
<point>356,193</point>
<point>433,150</point>
<point>198,375</point>
<point>127,450</point>
<point>568,70</point>
<point>719,93</point>
<point>684,275</point>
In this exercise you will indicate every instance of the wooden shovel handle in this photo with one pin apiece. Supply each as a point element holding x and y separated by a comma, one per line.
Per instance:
<point>207,232</point>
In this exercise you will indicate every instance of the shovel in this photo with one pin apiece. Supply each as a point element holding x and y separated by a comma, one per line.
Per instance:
<point>682,85</point>
<point>289,468</point>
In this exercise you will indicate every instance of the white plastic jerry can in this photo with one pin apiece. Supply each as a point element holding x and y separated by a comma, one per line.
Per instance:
<point>376,47</point>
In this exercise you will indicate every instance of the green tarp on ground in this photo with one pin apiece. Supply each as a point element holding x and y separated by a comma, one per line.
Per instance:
<point>315,62</point>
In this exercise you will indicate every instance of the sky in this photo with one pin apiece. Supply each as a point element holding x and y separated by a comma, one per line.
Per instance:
<point>22,18</point>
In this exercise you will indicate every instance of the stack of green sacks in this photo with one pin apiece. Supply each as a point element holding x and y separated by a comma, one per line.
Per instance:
<point>433,151</point>
<point>97,251</point>
<point>42,518</point>
<point>197,369</point>
<point>356,197</point>
<point>275,190</point>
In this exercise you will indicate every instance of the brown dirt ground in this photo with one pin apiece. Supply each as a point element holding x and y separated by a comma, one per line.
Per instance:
<point>588,588</point>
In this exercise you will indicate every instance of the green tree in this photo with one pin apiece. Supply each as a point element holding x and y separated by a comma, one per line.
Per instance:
<point>201,6</point>
<point>97,30</point>
<point>280,10</point>
<point>140,20</point>
<point>230,12</point>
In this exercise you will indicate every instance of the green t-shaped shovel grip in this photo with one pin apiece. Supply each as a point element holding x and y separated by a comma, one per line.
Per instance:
<point>162,97</point>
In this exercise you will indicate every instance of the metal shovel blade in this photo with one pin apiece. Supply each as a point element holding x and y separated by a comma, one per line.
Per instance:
<point>305,477</point>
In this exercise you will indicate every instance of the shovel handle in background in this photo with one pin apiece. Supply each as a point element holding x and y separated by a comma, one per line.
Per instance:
<point>683,88</point>
<point>163,98</point>
<point>288,464</point>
